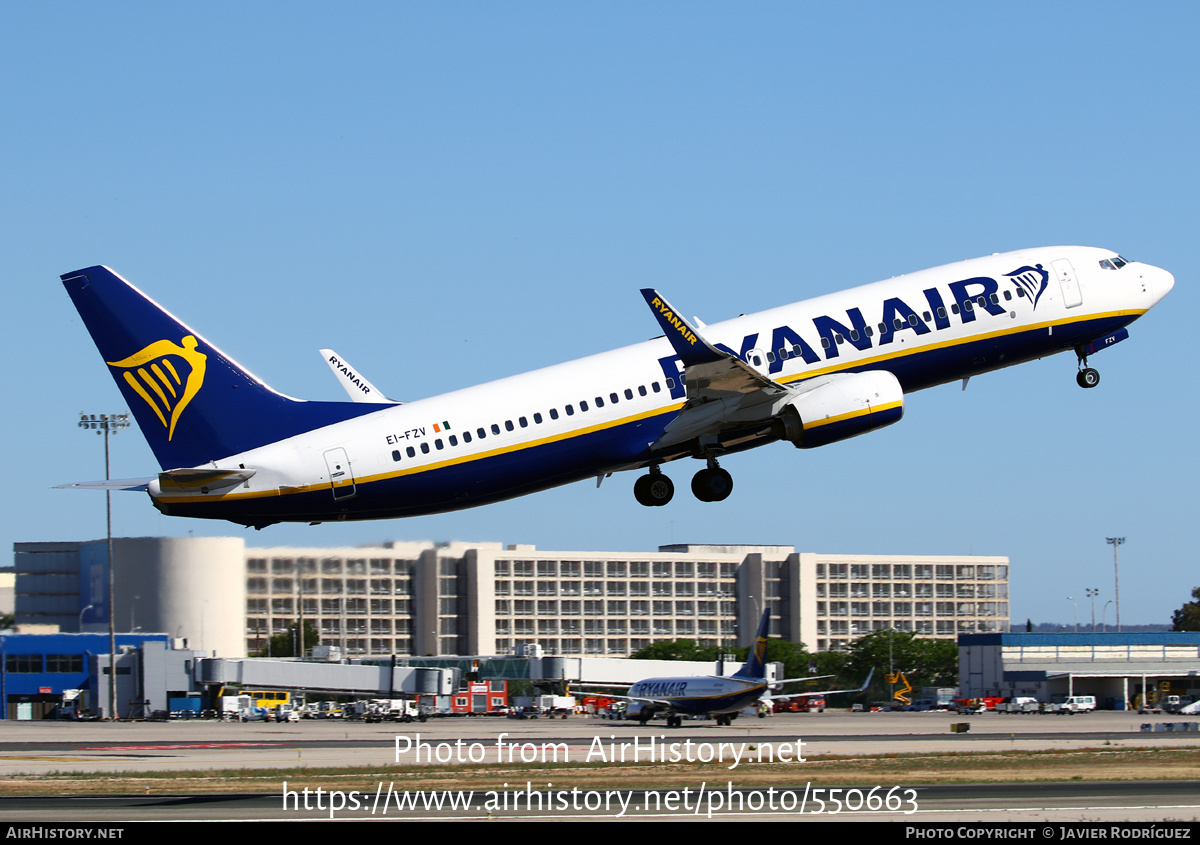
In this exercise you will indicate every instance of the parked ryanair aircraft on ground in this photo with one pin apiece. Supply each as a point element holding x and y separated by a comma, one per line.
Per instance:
<point>809,373</point>
<point>722,696</point>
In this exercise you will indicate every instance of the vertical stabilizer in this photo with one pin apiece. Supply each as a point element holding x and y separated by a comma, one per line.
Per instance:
<point>756,666</point>
<point>193,403</point>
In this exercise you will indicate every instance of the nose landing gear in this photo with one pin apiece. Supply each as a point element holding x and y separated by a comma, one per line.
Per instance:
<point>1086,377</point>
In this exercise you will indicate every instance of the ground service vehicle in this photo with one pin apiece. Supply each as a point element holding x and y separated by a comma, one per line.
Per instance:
<point>1074,704</point>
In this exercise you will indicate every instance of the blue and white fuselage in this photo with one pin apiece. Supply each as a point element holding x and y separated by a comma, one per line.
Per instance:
<point>701,694</point>
<point>811,373</point>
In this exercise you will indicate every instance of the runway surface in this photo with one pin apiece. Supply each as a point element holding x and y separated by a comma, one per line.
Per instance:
<point>41,747</point>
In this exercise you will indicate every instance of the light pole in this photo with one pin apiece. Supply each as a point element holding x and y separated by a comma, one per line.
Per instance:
<point>1092,592</point>
<point>1115,542</point>
<point>105,424</point>
<point>1104,615</point>
<point>1071,599</point>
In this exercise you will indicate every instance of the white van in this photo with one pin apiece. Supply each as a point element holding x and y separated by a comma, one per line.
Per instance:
<point>1077,704</point>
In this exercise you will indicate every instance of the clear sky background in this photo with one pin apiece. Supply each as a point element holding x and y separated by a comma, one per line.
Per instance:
<point>448,193</point>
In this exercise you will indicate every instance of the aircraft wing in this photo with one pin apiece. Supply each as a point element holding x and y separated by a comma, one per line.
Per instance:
<point>657,702</point>
<point>722,390</point>
<point>601,690</point>
<point>865,684</point>
<point>798,680</point>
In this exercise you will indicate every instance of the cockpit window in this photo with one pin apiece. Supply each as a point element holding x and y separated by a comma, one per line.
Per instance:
<point>1106,264</point>
<point>1115,263</point>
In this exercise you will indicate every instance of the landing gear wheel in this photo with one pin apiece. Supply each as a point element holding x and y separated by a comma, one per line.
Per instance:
<point>653,490</point>
<point>712,485</point>
<point>1087,377</point>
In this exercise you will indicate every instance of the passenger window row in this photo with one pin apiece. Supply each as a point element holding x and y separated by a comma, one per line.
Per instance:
<point>482,432</point>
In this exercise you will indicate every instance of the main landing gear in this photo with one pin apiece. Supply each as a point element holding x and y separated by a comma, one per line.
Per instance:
<point>653,489</point>
<point>1086,377</point>
<point>711,484</point>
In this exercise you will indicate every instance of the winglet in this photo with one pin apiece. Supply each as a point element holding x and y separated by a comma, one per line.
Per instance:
<point>684,337</point>
<point>353,382</point>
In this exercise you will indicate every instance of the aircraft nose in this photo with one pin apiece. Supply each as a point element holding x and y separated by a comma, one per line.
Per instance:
<point>1164,286</point>
<point>1162,282</point>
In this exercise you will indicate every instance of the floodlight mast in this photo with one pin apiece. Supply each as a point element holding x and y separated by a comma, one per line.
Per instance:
<point>106,424</point>
<point>1115,542</point>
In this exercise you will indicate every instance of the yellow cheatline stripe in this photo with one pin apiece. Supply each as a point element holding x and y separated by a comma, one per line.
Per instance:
<point>946,344</point>
<point>516,447</point>
<point>873,409</point>
<point>208,479</point>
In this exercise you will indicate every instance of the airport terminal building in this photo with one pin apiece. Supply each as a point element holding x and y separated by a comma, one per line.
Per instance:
<point>219,597</point>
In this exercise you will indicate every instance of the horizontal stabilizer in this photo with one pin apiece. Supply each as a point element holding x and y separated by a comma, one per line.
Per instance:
<point>203,480</point>
<point>135,484</point>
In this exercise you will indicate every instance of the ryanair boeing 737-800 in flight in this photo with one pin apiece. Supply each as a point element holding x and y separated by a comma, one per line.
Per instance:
<point>809,373</point>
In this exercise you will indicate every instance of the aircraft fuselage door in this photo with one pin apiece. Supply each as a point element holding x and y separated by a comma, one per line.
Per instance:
<point>1067,280</point>
<point>341,479</point>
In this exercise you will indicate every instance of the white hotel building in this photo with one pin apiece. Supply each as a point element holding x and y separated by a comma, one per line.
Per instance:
<point>420,598</point>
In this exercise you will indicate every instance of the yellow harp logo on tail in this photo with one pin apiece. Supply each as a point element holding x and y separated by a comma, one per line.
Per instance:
<point>166,375</point>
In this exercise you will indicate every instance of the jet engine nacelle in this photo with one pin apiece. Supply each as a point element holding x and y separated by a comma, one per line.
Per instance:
<point>843,405</point>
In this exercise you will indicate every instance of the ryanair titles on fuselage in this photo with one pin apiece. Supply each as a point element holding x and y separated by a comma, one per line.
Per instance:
<point>666,688</point>
<point>967,297</point>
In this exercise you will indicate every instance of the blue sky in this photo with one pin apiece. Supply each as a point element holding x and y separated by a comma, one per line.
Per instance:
<point>450,193</point>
